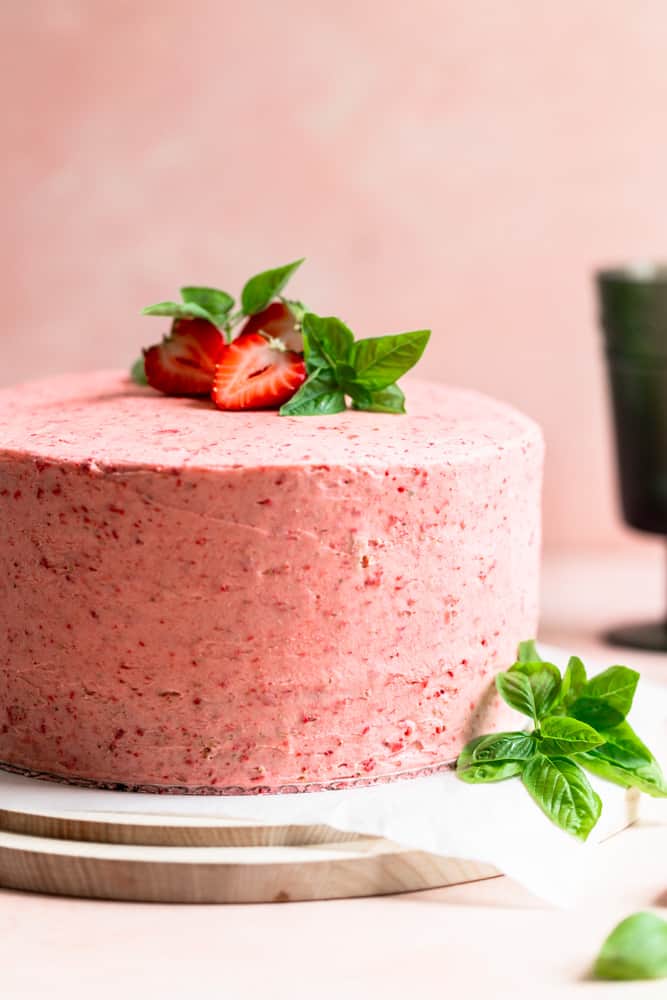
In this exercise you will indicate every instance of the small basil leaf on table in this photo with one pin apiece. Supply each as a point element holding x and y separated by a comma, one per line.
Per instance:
<point>259,290</point>
<point>389,400</point>
<point>635,949</point>
<point>138,372</point>
<point>563,737</point>
<point>319,394</point>
<point>326,342</point>
<point>562,791</point>
<point>381,361</point>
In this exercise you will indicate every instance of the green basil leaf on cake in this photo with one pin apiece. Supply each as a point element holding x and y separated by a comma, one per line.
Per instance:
<point>381,361</point>
<point>259,290</point>
<point>319,395</point>
<point>297,308</point>
<point>216,302</point>
<point>563,792</point>
<point>625,760</point>
<point>635,949</point>
<point>178,310</point>
<point>563,737</point>
<point>327,342</point>
<point>138,372</point>
<point>389,400</point>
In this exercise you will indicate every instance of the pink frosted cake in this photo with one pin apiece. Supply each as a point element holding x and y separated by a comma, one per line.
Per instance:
<point>205,601</point>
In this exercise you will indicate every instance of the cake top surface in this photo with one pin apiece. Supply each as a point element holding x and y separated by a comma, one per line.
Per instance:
<point>103,418</point>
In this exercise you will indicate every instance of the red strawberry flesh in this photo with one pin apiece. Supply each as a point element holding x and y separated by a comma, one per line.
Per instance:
<point>277,321</point>
<point>254,373</point>
<point>184,363</point>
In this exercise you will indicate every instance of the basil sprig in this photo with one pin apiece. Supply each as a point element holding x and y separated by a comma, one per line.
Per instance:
<point>578,724</point>
<point>339,367</point>
<point>198,302</point>
<point>214,305</point>
<point>635,949</point>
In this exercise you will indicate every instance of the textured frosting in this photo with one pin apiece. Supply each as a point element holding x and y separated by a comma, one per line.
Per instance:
<point>191,598</point>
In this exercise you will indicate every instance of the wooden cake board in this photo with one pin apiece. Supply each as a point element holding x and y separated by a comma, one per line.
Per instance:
<point>172,859</point>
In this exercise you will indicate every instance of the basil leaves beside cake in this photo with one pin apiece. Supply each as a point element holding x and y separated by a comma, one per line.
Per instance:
<point>579,725</point>
<point>273,353</point>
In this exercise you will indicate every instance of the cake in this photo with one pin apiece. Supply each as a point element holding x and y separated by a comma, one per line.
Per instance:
<point>205,601</point>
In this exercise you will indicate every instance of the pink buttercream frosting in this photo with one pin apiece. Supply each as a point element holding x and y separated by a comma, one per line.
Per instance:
<point>203,600</point>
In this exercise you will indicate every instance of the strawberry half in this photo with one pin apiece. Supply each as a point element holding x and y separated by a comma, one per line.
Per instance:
<point>254,373</point>
<point>184,363</point>
<point>277,321</point>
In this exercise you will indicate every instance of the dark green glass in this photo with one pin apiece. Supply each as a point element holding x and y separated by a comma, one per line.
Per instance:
<point>633,316</point>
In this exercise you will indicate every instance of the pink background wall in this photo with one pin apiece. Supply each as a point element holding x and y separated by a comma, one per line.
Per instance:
<point>462,165</point>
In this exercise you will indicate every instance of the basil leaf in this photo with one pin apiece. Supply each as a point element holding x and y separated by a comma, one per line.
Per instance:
<point>389,400</point>
<point>499,746</point>
<point>626,761</point>
<point>326,342</point>
<point>359,394</point>
<point>178,310</point>
<point>597,714</point>
<point>516,689</point>
<point>216,302</point>
<point>138,372</point>
<point>319,394</point>
<point>494,758</point>
<point>527,652</point>
<point>635,949</point>
<point>380,361</point>
<point>546,688</point>
<point>563,737</point>
<point>530,691</point>
<point>259,290</point>
<point>574,681</point>
<point>563,793</point>
<point>494,770</point>
<point>298,309</point>
<point>615,686</point>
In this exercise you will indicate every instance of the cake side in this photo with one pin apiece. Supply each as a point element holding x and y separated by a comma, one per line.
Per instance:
<point>186,613</point>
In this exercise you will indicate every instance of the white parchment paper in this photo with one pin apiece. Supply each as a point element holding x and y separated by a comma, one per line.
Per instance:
<point>498,824</point>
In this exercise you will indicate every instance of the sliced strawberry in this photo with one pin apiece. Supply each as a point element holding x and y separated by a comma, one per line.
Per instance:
<point>254,373</point>
<point>184,363</point>
<point>277,321</point>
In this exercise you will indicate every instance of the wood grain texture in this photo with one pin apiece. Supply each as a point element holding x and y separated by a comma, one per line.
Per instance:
<point>363,867</point>
<point>167,831</point>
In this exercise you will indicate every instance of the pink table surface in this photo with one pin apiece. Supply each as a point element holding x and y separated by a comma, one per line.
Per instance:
<point>487,939</point>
